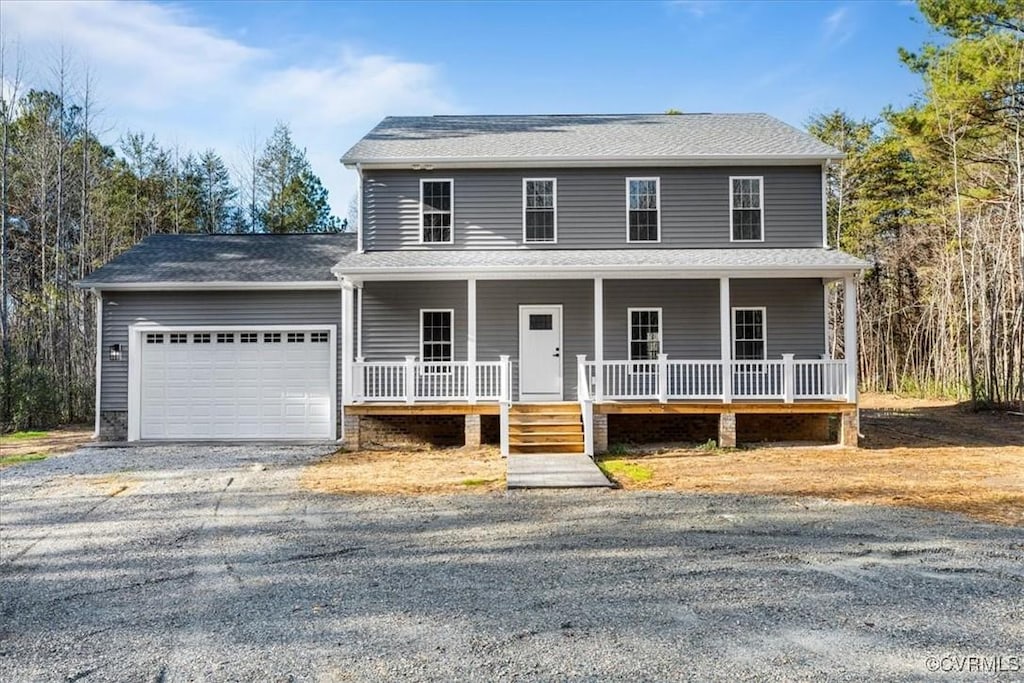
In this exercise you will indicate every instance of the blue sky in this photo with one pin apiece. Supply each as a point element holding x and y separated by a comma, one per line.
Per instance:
<point>212,74</point>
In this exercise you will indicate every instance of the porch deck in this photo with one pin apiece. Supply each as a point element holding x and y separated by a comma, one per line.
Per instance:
<point>664,386</point>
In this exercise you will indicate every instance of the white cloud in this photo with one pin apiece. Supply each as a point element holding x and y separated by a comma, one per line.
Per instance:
<point>836,28</point>
<point>158,70</point>
<point>355,88</point>
<point>151,50</point>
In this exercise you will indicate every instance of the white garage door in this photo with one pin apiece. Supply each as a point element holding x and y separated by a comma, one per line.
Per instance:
<point>236,384</point>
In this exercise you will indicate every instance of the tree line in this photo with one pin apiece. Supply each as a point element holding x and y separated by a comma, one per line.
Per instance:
<point>931,195</point>
<point>70,203</point>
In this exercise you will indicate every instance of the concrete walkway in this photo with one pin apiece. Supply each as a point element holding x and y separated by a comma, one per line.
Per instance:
<point>558,471</point>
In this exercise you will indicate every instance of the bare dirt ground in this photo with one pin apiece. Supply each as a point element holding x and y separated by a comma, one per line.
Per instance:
<point>922,453</point>
<point>439,470</point>
<point>60,440</point>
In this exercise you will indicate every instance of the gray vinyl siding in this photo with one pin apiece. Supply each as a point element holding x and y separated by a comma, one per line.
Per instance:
<point>391,319</point>
<point>498,322</point>
<point>689,311</point>
<point>488,207</point>
<point>391,316</point>
<point>205,308</point>
<point>795,313</point>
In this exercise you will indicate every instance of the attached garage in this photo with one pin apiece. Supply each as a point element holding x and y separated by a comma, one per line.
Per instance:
<point>220,337</point>
<point>232,382</point>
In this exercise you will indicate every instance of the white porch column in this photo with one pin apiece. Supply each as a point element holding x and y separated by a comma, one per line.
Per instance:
<point>347,336</point>
<point>598,339</point>
<point>471,339</point>
<point>850,336</point>
<point>725,324</point>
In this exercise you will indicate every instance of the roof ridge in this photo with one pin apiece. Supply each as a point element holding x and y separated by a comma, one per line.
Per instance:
<point>576,115</point>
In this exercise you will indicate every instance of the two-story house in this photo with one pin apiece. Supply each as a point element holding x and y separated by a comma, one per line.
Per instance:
<point>555,282</point>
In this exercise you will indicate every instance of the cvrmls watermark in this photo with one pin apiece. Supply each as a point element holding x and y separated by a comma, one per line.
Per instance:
<point>992,664</point>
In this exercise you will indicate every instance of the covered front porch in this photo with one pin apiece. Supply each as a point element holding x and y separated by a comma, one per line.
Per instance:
<point>658,335</point>
<point>603,339</point>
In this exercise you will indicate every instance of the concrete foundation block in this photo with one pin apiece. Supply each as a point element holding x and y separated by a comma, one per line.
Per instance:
<point>727,430</point>
<point>113,425</point>
<point>849,428</point>
<point>473,431</point>
<point>600,433</point>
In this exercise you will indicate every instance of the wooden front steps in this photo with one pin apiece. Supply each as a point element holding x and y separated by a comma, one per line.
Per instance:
<point>545,428</point>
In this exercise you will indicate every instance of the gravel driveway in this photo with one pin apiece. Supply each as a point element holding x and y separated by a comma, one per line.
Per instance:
<point>171,563</point>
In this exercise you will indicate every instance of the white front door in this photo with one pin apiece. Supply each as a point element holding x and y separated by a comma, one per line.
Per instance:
<point>540,353</point>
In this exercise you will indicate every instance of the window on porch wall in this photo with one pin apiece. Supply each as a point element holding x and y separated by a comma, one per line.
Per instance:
<point>436,340</point>
<point>644,335</point>
<point>748,334</point>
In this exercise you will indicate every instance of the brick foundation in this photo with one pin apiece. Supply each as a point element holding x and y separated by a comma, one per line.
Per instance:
<point>394,431</point>
<point>600,433</point>
<point>752,428</point>
<point>350,431</point>
<point>113,425</point>
<point>648,429</point>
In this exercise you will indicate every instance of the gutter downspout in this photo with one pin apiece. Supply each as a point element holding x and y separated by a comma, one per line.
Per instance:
<point>99,356</point>
<point>359,211</point>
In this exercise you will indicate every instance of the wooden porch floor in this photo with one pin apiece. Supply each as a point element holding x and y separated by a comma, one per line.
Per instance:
<point>613,407</point>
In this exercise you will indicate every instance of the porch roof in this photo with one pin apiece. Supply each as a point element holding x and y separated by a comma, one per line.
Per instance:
<point>587,263</point>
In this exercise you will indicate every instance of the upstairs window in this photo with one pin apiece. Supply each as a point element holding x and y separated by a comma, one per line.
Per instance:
<point>539,222</point>
<point>436,338</point>
<point>746,209</point>
<point>436,211</point>
<point>644,333</point>
<point>643,203</point>
<point>748,334</point>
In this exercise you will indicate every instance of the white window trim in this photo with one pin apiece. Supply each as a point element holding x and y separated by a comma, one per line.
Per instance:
<point>764,332</point>
<point>631,369</point>
<point>657,191</point>
<point>451,194</point>
<point>732,179</point>
<point>554,209</point>
<point>419,353</point>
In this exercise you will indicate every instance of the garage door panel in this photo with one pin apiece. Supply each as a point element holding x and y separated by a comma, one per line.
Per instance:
<point>236,385</point>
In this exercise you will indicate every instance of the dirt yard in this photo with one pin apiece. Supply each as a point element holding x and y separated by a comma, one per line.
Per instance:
<point>22,446</point>
<point>440,470</point>
<point>921,453</point>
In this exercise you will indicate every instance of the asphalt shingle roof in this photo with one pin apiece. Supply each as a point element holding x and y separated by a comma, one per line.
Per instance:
<point>553,137</point>
<point>561,261</point>
<point>226,258</point>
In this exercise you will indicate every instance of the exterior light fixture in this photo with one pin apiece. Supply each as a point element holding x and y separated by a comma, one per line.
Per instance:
<point>115,352</point>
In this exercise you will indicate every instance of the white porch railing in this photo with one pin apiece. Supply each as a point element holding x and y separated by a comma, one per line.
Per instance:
<point>664,379</point>
<point>411,380</point>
